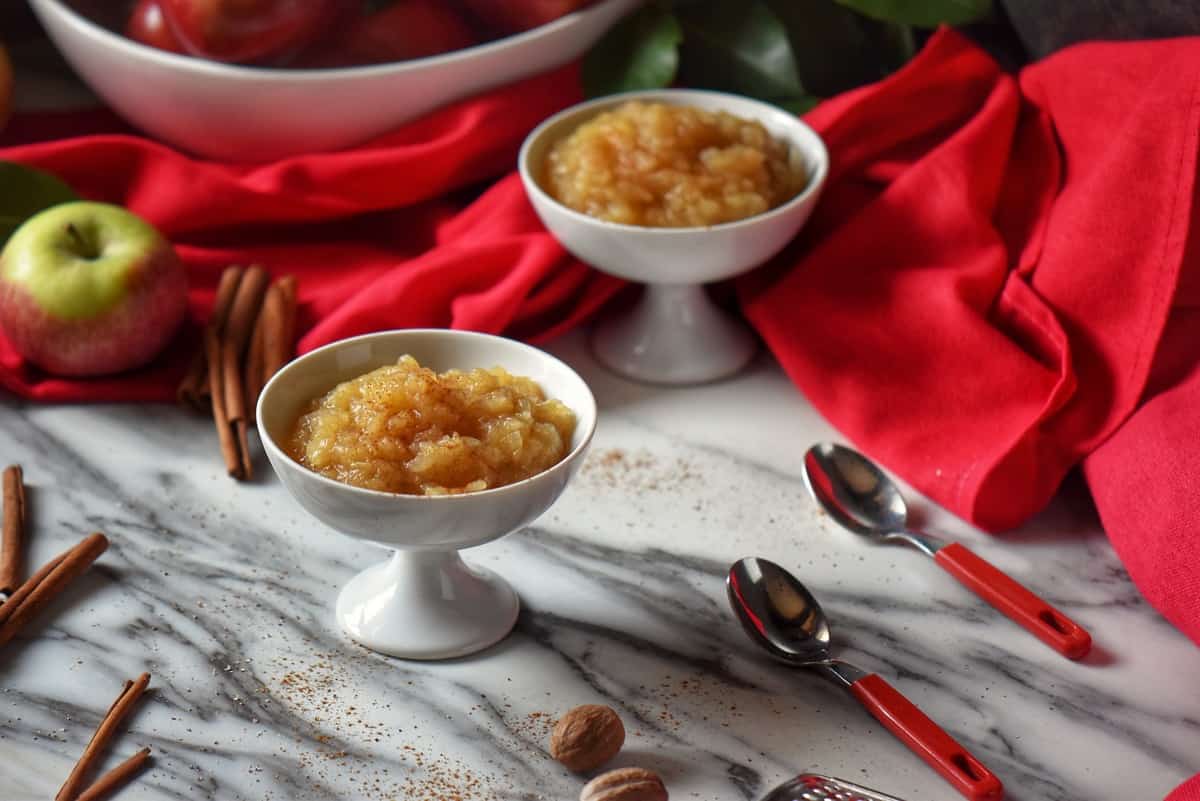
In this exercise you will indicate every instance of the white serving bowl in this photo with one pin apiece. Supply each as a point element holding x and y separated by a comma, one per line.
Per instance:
<point>250,114</point>
<point>425,602</point>
<point>675,335</point>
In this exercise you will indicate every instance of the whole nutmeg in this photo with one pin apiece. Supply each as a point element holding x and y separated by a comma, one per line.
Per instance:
<point>625,784</point>
<point>587,737</point>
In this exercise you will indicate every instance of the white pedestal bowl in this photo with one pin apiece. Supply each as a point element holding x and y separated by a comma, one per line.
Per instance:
<point>676,335</point>
<point>424,602</point>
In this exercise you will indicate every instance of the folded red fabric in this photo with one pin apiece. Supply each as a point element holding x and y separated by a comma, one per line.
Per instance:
<point>375,234</point>
<point>980,300</point>
<point>1188,791</point>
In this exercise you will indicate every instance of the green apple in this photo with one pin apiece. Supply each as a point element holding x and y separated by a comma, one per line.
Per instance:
<point>90,288</point>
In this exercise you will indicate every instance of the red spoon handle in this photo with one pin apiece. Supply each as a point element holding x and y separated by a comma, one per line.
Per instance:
<point>1047,623</point>
<point>927,740</point>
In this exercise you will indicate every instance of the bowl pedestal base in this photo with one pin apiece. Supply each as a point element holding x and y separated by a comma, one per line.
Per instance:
<point>427,605</point>
<point>674,335</point>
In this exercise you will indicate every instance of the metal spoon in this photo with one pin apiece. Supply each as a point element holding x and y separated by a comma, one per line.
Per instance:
<point>780,615</point>
<point>859,496</point>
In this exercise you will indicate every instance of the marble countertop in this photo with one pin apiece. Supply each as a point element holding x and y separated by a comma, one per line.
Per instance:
<point>224,592</point>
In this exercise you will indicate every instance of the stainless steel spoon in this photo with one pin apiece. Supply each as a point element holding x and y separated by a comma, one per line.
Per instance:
<point>860,496</point>
<point>780,615</point>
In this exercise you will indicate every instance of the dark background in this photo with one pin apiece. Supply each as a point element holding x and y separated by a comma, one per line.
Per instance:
<point>1022,30</point>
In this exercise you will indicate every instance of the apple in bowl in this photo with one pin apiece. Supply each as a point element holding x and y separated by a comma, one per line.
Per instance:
<point>192,103</point>
<point>147,24</point>
<point>247,30</point>
<point>89,289</point>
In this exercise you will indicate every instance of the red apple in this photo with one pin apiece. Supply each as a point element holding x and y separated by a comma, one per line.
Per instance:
<point>247,30</point>
<point>148,25</point>
<point>89,288</point>
<point>402,30</point>
<point>513,16</point>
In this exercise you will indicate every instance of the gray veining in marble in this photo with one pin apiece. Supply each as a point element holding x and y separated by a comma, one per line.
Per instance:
<point>224,593</point>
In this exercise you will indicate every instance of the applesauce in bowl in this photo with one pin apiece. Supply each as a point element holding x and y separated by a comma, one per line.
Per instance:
<point>424,601</point>
<point>407,429</point>
<point>659,164</point>
<point>674,334</point>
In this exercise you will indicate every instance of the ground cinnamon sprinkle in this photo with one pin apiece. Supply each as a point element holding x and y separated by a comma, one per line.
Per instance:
<point>442,778</point>
<point>638,471</point>
<point>534,727</point>
<point>698,699</point>
<point>343,745</point>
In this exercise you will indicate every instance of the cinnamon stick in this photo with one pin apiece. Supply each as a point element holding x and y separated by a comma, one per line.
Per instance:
<point>253,374</point>
<point>18,597</point>
<point>237,333</point>
<point>116,778</point>
<point>194,386</point>
<point>227,291</point>
<point>241,430</point>
<point>229,447</point>
<point>129,696</point>
<point>270,344</point>
<point>31,598</point>
<point>238,327</point>
<point>12,551</point>
<point>280,331</point>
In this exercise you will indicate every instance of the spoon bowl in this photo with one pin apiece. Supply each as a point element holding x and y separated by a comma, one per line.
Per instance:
<point>778,612</point>
<point>855,492</point>
<point>783,617</point>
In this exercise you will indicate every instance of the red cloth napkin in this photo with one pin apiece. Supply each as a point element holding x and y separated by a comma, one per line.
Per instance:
<point>376,234</point>
<point>998,284</point>
<point>981,299</point>
<point>1188,791</point>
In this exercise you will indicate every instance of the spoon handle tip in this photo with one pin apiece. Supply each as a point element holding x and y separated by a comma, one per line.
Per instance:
<point>1028,610</point>
<point>927,740</point>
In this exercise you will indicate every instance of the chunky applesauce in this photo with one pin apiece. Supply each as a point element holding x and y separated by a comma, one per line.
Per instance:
<point>660,165</point>
<point>407,429</point>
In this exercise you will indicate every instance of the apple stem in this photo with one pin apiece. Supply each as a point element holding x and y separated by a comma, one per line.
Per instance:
<point>85,247</point>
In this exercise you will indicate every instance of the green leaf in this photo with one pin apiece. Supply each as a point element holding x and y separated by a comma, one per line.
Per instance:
<point>24,192</point>
<point>923,13</point>
<point>798,105</point>
<point>837,49</point>
<point>639,52</point>
<point>899,40</point>
<point>737,46</point>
